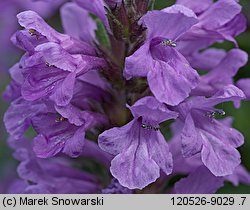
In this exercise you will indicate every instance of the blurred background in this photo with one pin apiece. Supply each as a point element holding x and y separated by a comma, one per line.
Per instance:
<point>9,55</point>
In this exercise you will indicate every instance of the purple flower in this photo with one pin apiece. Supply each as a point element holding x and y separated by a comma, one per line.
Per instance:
<point>169,75</point>
<point>200,181</point>
<point>58,128</point>
<point>51,66</point>
<point>13,90</point>
<point>71,90</point>
<point>228,66</point>
<point>240,175</point>
<point>84,26</point>
<point>218,21</point>
<point>197,6</point>
<point>244,84</point>
<point>116,188</point>
<point>43,176</point>
<point>95,7</point>
<point>9,9</point>
<point>56,134</point>
<point>140,149</point>
<point>18,117</point>
<point>204,135</point>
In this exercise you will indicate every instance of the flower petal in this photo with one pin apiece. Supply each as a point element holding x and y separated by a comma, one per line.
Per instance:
<point>41,81</point>
<point>240,175</point>
<point>228,67</point>
<point>208,59</point>
<point>64,92</point>
<point>163,23</point>
<point>227,93</point>
<point>79,117</point>
<point>77,22</point>
<point>115,140</point>
<point>196,6</point>
<point>159,152</point>
<point>32,21</point>
<point>190,138</point>
<point>226,134</point>
<point>244,84</point>
<point>200,181</point>
<point>95,7</point>
<point>134,168</point>
<point>52,135</point>
<point>74,146</point>
<point>219,14</point>
<point>18,117</point>
<point>170,86</point>
<point>139,63</point>
<point>219,158</point>
<point>55,55</point>
<point>159,112</point>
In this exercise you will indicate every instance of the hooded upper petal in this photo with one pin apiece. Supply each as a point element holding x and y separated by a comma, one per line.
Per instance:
<point>219,13</point>
<point>197,6</point>
<point>95,7</point>
<point>36,26</point>
<point>149,104</point>
<point>31,20</point>
<point>222,20</point>
<point>169,23</point>
<point>78,23</point>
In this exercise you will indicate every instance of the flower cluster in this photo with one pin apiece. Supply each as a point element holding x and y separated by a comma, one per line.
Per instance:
<point>103,91</point>
<point>8,11</point>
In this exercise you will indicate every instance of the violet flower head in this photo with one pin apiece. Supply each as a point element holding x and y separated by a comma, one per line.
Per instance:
<point>244,84</point>
<point>228,65</point>
<point>218,21</point>
<point>118,103</point>
<point>139,147</point>
<point>58,66</point>
<point>116,188</point>
<point>159,61</point>
<point>203,134</point>
<point>9,9</point>
<point>43,176</point>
